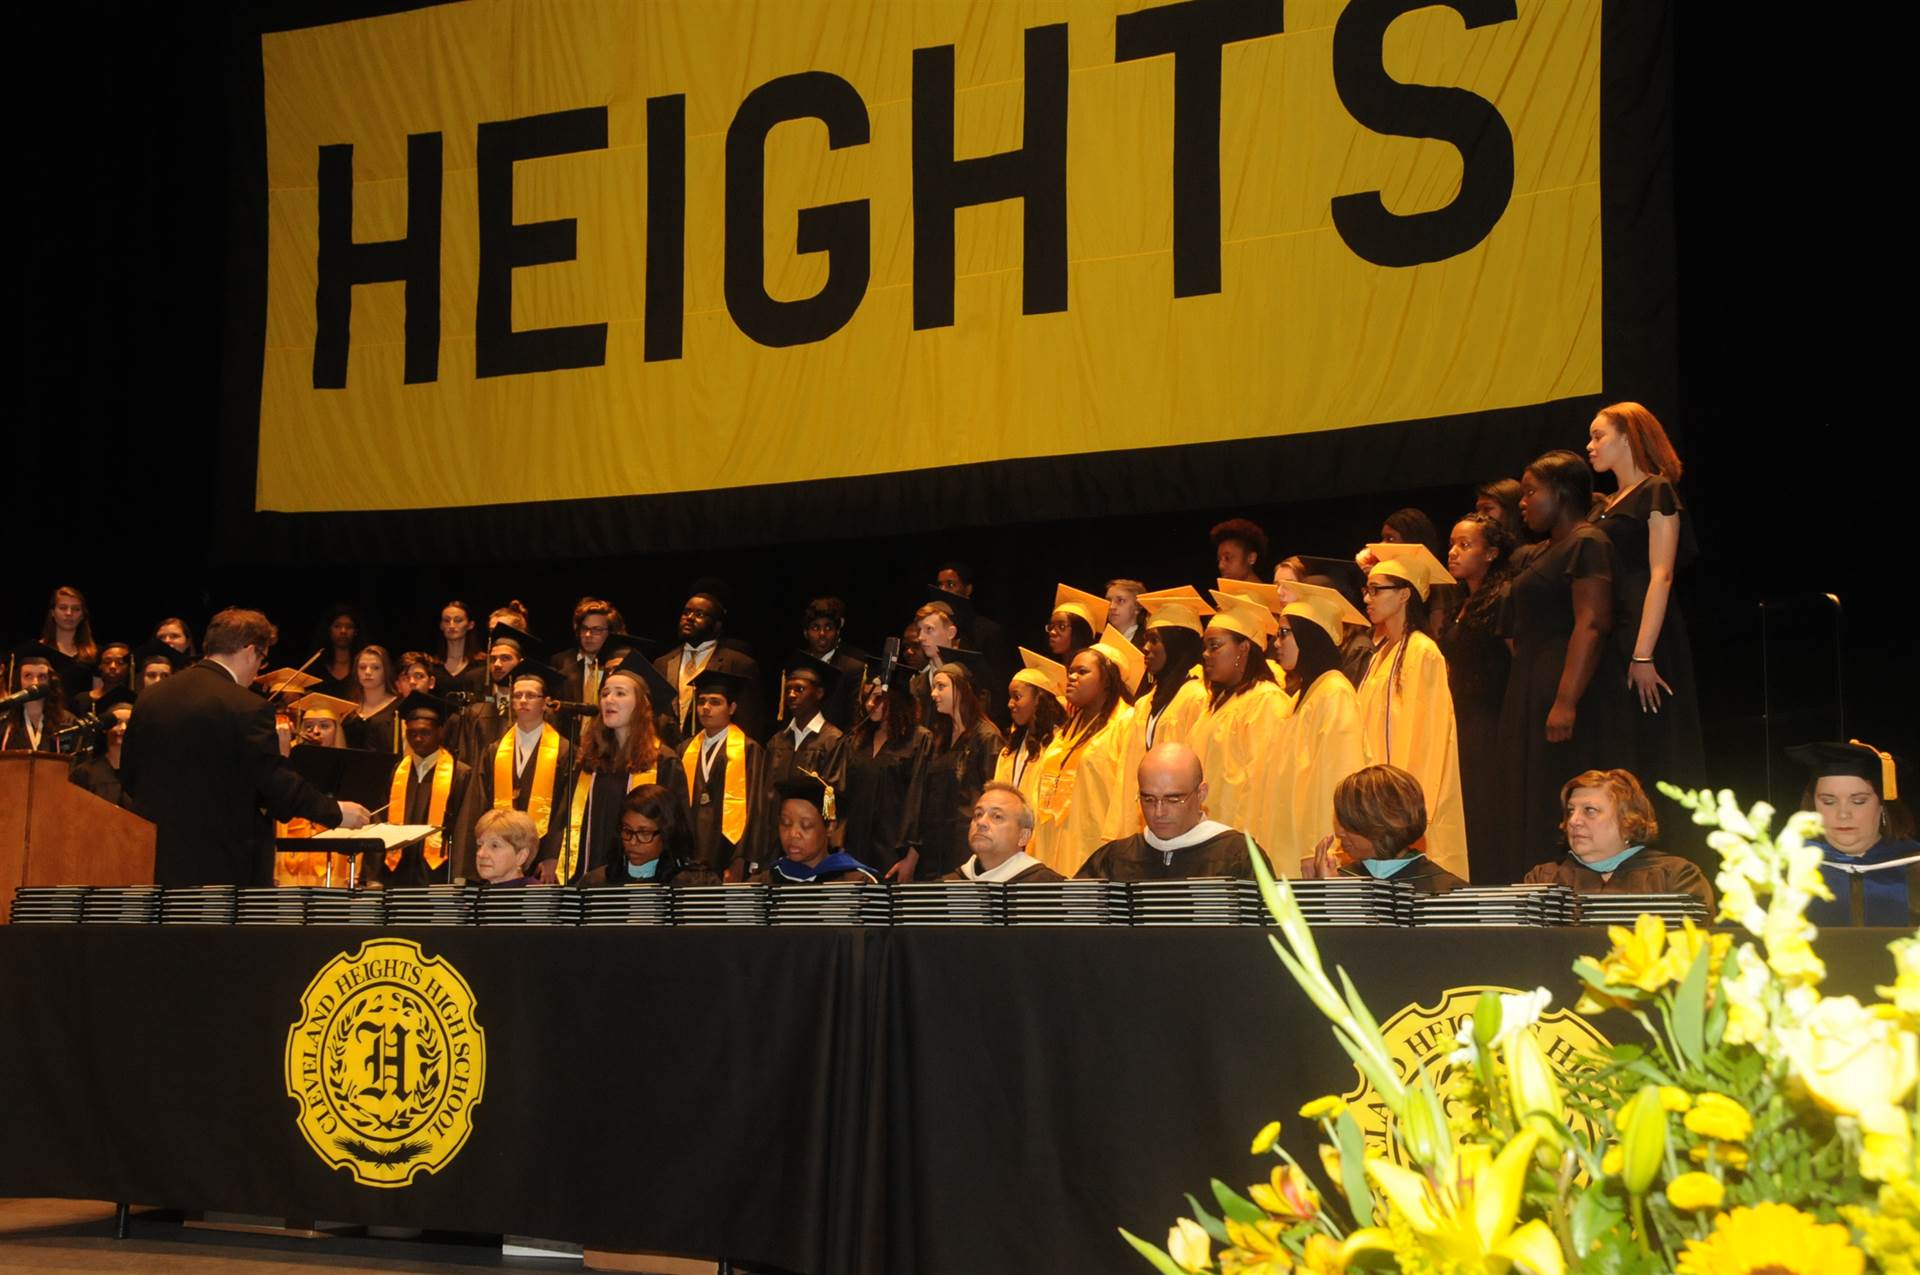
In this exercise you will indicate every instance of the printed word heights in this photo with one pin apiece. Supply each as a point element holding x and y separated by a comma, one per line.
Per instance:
<point>1193,33</point>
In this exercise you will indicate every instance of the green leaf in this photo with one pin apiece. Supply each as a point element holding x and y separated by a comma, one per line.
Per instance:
<point>1353,1167</point>
<point>1594,1213</point>
<point>1235,1206</point>
<point>1208,1222</point>
<point>1690,1011</point>
<point>1154,1255</point>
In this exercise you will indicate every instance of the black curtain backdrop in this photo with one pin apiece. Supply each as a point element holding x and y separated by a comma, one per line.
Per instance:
<point>1767,352</point>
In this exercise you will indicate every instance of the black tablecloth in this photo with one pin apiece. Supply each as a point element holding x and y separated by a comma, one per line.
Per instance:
<point>821,1100</point>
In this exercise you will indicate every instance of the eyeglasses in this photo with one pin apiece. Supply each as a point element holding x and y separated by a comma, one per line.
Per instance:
<point>640,835</point>
<point>1172,801</point>
<point>1372,589</point>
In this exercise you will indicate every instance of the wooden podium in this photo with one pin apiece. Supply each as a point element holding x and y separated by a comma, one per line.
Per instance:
<point>54,832</point>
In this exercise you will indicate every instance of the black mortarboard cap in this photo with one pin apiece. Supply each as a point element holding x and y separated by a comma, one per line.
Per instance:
<point>804,785</point>
<point>975,662</point>
<point>631,658</point>
<point>41,653</point>
<point>712,680</point>
<point>548,676</point>
<point>962,608</point>
<point>153,650</point>
<point>118,695</point>
<point>530,647</point>
<point>419,702</point>
<point>1343,575</point>
<point>1863,761</point>
<point>807,662</point>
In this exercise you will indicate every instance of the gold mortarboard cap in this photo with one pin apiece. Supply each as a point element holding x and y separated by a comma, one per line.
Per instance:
<point>1266,595</point>
<point>1325,607</point>
<point>1181,608</point>
<point>317,705</point>
<point>1088,606</point>
<point>285,681</point>
<point>1413,563</point>
<point>1244,616</point>
<point>1048,675</point>
<point>1125,656</point>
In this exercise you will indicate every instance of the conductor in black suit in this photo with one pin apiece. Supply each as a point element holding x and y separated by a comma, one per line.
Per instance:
<point>202,760</point>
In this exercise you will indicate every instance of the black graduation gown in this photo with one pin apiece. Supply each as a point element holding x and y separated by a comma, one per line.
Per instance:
<point>880,808</point>
<point>1667,744</point>
<point>990,638</point>
<point>955,776</point>
<point>1478,664</point>
<point>379,733</point>
<point>711,846</point>
<point>1038,874</point>
<point>523,792</point>
<point>475,729</point>
<point>202,761</point>
<point>15,739</point>
<point>1426,876</point>
<point>1537,613</point>
<point>1647,871</point>
<point>98,777</point>
<point>600,830</point>
<point>472,677</point>
<point>463,809</point>
<point>573,676</point>
<point>1131,859</point>
<point>824,752</point>
<point>843,706</point>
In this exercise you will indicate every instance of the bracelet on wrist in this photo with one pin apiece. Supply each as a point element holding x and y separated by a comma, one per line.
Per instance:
<point>1642,659</point>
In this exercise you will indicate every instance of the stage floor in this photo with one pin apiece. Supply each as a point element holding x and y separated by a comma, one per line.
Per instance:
<point>76,1236</point>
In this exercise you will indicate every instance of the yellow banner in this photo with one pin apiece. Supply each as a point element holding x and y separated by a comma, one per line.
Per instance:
<point>523,251</point>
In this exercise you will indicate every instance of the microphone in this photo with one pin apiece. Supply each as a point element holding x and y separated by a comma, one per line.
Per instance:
<point>464,697</point>
<point>564,706</point>
<point>26,696</point>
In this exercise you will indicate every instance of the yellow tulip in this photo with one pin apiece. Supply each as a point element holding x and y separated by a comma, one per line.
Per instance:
<point>1263,1140</point>
<point>1849,1060</point>
<point>1469,1218</point>
<point>1189,1245</point>
<point>1330,1165</point>
<point>1260,1240</point>
<point>1694,1191</point>
<point>1643,1139</point>
<point>1288,1193</point>
<point>1533,1087</point>
<point>1714,1115</point>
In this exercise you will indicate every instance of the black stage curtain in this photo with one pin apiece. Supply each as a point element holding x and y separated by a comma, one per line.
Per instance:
<point>827,1100</point>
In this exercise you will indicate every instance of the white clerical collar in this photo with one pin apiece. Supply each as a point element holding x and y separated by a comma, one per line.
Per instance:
<point>800,732</point>
<point>1205,830</point>
<point>1019,861</point>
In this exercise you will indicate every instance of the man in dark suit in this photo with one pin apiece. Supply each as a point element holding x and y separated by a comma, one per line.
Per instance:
<point>202,760</point>
<point>704,646</point>
<point>594,621</point>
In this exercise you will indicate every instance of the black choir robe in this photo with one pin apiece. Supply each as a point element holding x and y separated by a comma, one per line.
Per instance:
<point>15,739</point>
<point>378,733</point>
<point>1224,854</point>
<point>824,752</point>
<point>98,777</point>
<point>711,847</point>
<point>202,760</point>
<point>523,792</point>
<point>463,809</point>
<point>955,776</point>
<point>843,705</point>
<point>476,728</point>
<point>880,806</point>
<point>573,676</point>
<point>1426,876</point>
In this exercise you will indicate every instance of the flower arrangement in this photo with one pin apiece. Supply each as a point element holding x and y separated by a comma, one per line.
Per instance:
<point>1761,1127</point>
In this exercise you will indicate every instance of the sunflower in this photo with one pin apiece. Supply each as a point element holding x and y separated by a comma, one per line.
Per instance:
<point>1771,1239</point>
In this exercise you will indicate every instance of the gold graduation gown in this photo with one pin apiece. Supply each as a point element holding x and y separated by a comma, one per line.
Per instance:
<point>1079,806</point>
<point>1321,747</point>
<point>1239,748</point>
<point>1410,725</point>
<point>1174,726</point>
<point>1029,781</point>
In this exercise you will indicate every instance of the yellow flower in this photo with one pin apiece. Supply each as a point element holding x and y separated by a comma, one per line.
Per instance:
<point>1694,1191</point>
<point>1533,1087</point>
<point>1288,1193</point>
<point>1643,1139</point>
<point>1905,989</point>
<point>1259,1242</point>
<point>1714,1115</point>
<point>1189,1246</point>
<point>1888,1232</point>
<point>1263,1140</point>
<point>1649,957</point>
<point>1850,1061</point>
<point>1746,990</point>
<point>1774,1238</point>
<point>1468,1221</point>
<point>1886,1151</point>
<point>1322,1256</point>
<point>1325,1107</point>
<point>1611,1161</point>
<point>1724,1152</point>
<point>1330,1165</point>
<point>1675,1099</point>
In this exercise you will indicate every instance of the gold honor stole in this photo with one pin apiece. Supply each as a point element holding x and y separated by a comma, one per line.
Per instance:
<point>546,761</point>
<point>436,850</point>
<point>733,800</point>
<point>582,793</point>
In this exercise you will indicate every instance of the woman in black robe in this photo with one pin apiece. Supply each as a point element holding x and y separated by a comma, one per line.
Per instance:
<point>1557,717</point>
<point>966,745</point>
<point>1651,541</point>
<point>1478,664</point>
<point>886,776</point>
